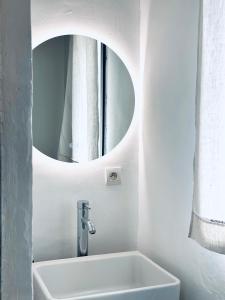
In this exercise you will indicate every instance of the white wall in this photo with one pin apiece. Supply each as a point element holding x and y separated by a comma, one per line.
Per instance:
<point>169,40</point>
<point>120,100</point>
<point>168,57</point>
<point>57,185</point>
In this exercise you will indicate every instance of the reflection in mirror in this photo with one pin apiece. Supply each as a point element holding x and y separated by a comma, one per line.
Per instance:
<point>83,99</point>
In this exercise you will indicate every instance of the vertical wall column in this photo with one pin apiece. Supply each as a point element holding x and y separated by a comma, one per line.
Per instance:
<point>16,150</point>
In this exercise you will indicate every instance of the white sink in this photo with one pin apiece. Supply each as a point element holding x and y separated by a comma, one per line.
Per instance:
<point>120,276</point>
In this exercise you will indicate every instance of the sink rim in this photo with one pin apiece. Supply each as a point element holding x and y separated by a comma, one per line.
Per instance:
<point>37,265</point>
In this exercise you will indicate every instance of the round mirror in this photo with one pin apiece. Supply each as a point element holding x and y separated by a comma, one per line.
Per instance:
<point>83,98</point>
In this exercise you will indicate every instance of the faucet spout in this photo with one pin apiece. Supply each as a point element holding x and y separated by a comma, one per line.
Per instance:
<point>90,226</point>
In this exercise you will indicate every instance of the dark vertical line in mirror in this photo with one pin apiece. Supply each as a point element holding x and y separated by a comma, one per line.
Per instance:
<point>1,130</point>
<point>1,120</point>
<point>104,97</point>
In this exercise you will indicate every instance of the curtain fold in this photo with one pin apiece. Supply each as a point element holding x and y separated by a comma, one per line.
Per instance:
<point>208,217</point>
<point>65,141</point>
<point>79,139</point>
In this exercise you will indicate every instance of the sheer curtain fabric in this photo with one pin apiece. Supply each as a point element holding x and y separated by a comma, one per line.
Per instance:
<point>208,217</point>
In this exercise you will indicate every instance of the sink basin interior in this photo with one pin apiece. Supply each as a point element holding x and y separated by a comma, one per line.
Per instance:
<point>100,274</point>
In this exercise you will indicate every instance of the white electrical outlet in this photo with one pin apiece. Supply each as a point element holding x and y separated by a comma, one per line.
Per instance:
<point>113,176</point>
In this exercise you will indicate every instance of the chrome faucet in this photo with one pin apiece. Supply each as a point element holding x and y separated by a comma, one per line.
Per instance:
<point>84,226</point>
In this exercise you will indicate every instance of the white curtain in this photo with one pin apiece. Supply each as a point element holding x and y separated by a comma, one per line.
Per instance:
<point>208,217</point>
<point>79,139</point>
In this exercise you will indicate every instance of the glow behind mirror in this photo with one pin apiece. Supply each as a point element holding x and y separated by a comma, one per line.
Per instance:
<point>83,99</point>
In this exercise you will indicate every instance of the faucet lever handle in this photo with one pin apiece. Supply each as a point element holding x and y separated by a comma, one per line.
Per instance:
<point>87,206</point>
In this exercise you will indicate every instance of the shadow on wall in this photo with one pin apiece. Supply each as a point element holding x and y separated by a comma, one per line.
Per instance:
<point>167,145</point>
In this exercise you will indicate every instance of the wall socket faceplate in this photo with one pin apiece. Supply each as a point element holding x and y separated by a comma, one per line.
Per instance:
<point>113,176</point>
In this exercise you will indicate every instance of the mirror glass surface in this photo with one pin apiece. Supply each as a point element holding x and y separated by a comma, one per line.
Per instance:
<point>83,98</point>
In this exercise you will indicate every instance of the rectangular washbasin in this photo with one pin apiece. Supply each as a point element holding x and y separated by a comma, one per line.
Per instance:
<point>120,276</point>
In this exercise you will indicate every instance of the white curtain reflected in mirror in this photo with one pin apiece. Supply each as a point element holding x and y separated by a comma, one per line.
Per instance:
<point>79,142</point>
<point>83,99</point>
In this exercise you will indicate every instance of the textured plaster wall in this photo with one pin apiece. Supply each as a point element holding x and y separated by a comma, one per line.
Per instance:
<point>16,149</point>
<point>169,53</point>
<point>57,185</point>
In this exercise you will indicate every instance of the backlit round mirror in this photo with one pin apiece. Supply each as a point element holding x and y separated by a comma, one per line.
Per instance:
<point>83,98</point>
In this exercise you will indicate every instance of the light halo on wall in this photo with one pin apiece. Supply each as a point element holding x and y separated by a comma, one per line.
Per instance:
<point>49,34</point>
